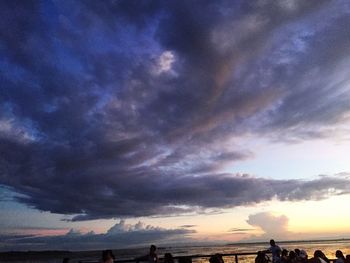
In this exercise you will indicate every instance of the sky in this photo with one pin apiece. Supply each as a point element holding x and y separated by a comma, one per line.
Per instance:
<point>125,123</point>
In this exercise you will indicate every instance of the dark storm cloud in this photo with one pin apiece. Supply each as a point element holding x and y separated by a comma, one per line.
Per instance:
<point>129,108</point>
<point>121,234</point>
<point>154,194</point>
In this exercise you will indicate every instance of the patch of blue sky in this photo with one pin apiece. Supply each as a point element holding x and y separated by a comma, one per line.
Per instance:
<point>66,60</point>
<point>6,109</point>
<point>31,130</point>
<point>64,56</point>
<point>16,212</point>
<point>12,71</point>
<point>128,40</point>
<point>50,107</point>
<point>6,194</point>
<point>50,14</point>
<point>103,99</point>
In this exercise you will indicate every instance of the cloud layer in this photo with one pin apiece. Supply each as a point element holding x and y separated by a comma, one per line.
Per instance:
<point>120,235</point>
<point>127,108</point>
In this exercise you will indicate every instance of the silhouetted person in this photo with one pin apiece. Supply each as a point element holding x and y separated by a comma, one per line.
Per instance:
<point>275,250</point>
<point>325,258</point>
<point>185,260</point>
<point>107,256</point>
<point>262,257</point>
<point>303,256</point>
<point>340,257</point>
<point>284,256</point>
<point>168,258</point>
<point>151,257</point>
<point>217,258</point>
<point>319,257</point>
<point>292,257</point>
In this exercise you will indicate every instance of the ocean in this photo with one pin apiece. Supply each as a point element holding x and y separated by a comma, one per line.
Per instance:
<point>328,247</point>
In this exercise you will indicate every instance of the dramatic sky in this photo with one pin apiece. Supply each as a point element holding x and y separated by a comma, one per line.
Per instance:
<point>129,122</point>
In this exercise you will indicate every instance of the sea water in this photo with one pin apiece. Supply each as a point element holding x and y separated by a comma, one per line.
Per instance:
<point>328,247</point>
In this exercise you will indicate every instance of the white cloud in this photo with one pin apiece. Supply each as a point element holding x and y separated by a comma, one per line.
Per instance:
<point>273,226</point>
<point>10,129</point>
<point>123,227</point>
<point>165,62</point>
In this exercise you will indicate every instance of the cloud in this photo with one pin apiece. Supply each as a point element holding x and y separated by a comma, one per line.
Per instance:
<point>239,230</point>
<point>276,226</point>
<point>183,194</point>
<point>165,62</point>
<point>88,129</point>
<point>188,226</point>
<point>9,238</point>
<point>120,235</point>
<point>273,226</point>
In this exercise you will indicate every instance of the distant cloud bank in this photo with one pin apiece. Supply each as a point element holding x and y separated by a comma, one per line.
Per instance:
<point>120,235</point>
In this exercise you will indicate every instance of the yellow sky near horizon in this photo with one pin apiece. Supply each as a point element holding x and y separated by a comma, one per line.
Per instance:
<point>306,219</point>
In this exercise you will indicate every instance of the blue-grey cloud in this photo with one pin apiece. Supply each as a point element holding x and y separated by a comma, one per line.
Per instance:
<point>9,238</point>
<point>127,108</point>
<point>120,235</point>
<point>178,194</point>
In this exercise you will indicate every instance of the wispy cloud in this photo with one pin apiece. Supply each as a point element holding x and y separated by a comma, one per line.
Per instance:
<point>240,230</point>
<point>188,226</point>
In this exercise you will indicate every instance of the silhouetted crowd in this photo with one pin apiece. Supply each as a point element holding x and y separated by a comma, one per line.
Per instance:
<point>278,255</point>
<point>296,256</point>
